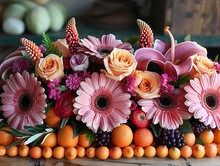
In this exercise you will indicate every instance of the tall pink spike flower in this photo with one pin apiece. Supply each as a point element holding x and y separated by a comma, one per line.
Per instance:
<point>72,38</point>
<point>146,35</point>
<point>33,50</point>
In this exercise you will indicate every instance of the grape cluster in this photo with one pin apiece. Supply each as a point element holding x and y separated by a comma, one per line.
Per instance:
<point>102,138</point>
<point>197,126</point>
<point>171,138</point>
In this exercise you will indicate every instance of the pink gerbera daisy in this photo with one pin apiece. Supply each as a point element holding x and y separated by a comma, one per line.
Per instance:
<point>23,100</point>
<point>101,103</point>
<point>203,97</point>
<point>167,110</point>
<point>98,48</point>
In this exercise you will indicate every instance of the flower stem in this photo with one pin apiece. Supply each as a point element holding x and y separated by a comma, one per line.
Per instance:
<point>166,29</point>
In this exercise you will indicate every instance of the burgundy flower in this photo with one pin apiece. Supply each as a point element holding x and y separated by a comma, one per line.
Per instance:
<point>64,105</point>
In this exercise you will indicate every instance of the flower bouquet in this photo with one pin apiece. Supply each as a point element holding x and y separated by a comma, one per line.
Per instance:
<point>107,98</point>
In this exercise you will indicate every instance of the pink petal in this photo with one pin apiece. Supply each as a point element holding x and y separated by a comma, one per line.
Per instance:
<point>87,88</point>
<point>84,110</point>
<point>151,112</point>
<point>215,79</point>
<point>83,99</point>
<point>205,83</point>
<point>88,118</point>
<point>161,46</point>
<point>104,124</point>
<point>15,122</point>
<point>96,122</point>
<point>196,85</point>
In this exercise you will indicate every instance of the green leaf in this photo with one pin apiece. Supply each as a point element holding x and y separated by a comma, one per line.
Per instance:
<point>49,105</point>
<point>216,58</point>
<point>33,138</point>
<point>132,40</point>
<point>14,132</point>
<point>49,45</point>
<point>156,129</point>
<point>49,130</point>
<point>89,134</point>
<point>77,127</point>
<point>182,80</point>
<point>187,37</point>
<point>186,127</point>
<point>63,122</point>
<point>62,88</point>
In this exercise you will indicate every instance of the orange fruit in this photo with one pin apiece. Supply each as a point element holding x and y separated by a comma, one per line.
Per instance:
<point>23,150</point>
<point>35,152</point>
<point>139,151</point>
<point>6,139</point>
<point>218,149</point>
<point>143,137</point>
<point>149,151</point>
<point>216,133</point>
<point>198,151</point>
<point>70,153</point>
<point>122,135</point>
<point>81,151</point>
<point>162,151</point>
<point>47,152</point>
<point>65,137</point>
<point>90,152</point>
<point>84,141</point>
<point>128,152</point>
<point>58,152</point>
<point>211,150</point>
<point>52,119</point>
<point>174,153</point>
<point>207,136</point>
<point>132,145</point>
<point>102,152</point>
<point>115,152</point>
<point>12,151</point>
<point>190,139</point>
<point>2,151</point>
<point>50,141</point>
<point>186,151</point>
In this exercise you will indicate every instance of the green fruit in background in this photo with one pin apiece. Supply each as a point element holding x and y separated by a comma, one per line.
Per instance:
<point>13,26</point>
<point>27,3</point>
<point>56,16</point>
<point>15,10</point>
<point>38,20</point>
<point>62,8</point>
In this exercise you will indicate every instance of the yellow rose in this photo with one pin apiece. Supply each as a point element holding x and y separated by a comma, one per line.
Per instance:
<point>202,65</point>
<point>119,64</point>
<point>147,84</point>
<point>50,67</point>
<point>63,47</point>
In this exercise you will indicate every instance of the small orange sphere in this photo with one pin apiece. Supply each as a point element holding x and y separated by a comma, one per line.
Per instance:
<point>115,152</point>
<point>186,151</point>
<point>35,152</point>
<point>207,136</point>
<point>162,151</point>
<point>12,151</point>
<point>149,151</point>
<point>70,153</point>
<point>122,136</point>
<point>190,139</point>
<point>143,137</point>
<point>90,152</point>
<point>47,152</point>
<point>58,152</point>
<point>198,151</point>
<point>84,141</point>
<point>23,150</point>
<point>102,153</point>
<point>65,137</point>
<point>128,152</point>
<point>174,153</point>
<point>216,133</point>
<point>139,151</point>
<point>211,150</point>
<point>81,151</point>
<point>2,150</point>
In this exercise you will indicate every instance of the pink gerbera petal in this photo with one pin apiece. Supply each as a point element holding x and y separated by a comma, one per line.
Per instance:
<point>101,107</point>
<point>28,101</point>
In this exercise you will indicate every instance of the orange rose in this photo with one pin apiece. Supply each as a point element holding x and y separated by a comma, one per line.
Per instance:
<point>147,84</point>
<point>50,67</point>
<point>202,65</point>
<point>119,64</point>
<point>63,47</point>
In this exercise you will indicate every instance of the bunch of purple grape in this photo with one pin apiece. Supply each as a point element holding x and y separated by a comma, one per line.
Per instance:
<point>197,126</point>
<point>171,138</point>
<point>102,138</point>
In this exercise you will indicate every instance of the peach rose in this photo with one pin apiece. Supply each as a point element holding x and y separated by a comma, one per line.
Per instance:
<point>202,65</point>
<point>119,64</point>
<point>63,47</point>
<point>147,84</point>
<point>50,67</point>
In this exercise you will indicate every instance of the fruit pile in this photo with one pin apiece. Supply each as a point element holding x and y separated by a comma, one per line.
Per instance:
<point>36,16</point>
<point>123,141</point>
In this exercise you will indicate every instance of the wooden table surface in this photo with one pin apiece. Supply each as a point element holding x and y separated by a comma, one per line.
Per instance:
<point>27,161</point>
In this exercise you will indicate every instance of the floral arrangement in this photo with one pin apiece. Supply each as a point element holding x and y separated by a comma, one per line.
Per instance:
<point>97,85</point>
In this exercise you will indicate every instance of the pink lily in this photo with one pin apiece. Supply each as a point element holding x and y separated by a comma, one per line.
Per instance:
<point>171,58</point>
